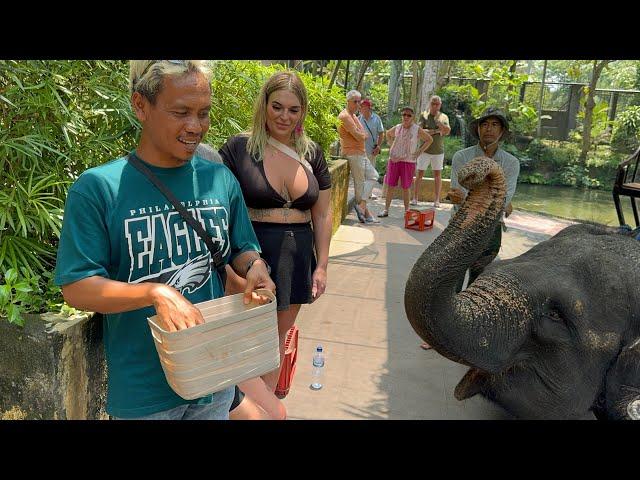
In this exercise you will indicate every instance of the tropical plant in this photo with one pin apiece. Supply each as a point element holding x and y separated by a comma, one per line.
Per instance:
<point>236,84</point>
<point>626,130</point>
<point>57,118</point>
<point>378,93</point>
<point>463,98</point>
<point>23,292</point>
<point>599,121</point>
<point>523,119</point>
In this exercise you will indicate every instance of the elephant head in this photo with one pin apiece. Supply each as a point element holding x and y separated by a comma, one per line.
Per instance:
<point>553,333</point>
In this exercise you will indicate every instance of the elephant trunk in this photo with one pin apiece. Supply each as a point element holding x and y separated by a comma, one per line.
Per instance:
<point>472,327</point>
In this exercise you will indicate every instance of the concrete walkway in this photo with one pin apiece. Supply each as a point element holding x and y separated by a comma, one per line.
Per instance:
<point>374,367</point>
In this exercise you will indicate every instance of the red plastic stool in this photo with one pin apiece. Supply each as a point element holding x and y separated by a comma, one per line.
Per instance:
<point>419,219</point>
<point>288,367</point>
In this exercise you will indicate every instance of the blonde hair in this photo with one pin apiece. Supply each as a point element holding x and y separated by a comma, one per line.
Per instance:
<point>258,134</point>
<point>145,76</point>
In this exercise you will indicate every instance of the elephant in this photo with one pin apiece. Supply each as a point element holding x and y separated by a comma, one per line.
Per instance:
<point>551,334</point>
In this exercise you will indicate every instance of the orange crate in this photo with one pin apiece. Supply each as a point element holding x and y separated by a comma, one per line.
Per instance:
<point>419,219</point>
<point>288,367</point>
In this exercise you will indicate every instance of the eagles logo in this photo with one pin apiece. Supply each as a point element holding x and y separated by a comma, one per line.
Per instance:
<point>190,276</point>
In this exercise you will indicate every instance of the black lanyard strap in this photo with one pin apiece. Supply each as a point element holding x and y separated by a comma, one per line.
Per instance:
<point>216,256</point>
<point>367,125</point>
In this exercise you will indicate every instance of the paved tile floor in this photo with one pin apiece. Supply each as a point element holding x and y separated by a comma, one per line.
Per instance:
<point>374,367</point>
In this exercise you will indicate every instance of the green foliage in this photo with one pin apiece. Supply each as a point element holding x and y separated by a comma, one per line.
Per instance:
<point>378,92</point>
<point>504,87</point>
<point>451,146</point>
<point>236,84</point>
<point>599,121</point>
<point>626,130</point>
<point>23,292</point>
<point>523,119</point>
<point>554,154</point>
<point>578,176</point>
<point>535,178</point>
<point>555,163</point>
<point>57,118</point>
<point>459,97</point>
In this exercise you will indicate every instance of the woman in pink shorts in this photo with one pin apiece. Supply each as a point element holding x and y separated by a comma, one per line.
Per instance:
<point>402,156</point>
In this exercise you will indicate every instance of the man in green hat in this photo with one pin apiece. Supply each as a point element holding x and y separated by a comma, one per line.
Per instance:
<point>490,129</point>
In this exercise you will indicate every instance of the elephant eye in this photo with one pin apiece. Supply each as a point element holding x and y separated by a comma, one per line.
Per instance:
<point>555,316</point>
<point>553,326</point>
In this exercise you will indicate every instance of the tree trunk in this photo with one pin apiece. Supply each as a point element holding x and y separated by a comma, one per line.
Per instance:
<point>334,74</point>
<point>449,67</point>
<point>443,73</point>
<point>394,88</point>
<point>544,74</point>
<point>363,69</point>
<point>529,68</point>
<point>513,89</point>
<point>429,80</point>
<point>414,85</point>
<point>588,109</point>
<point>346,77</point>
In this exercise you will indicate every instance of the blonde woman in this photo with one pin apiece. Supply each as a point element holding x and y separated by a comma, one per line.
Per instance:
<point>286,185</point>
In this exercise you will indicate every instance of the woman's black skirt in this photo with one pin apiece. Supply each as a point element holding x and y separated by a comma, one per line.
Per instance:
<point>289,250</point>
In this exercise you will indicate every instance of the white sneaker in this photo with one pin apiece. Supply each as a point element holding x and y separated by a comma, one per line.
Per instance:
<point>413,202</point>
<point>373,196</point>
<point>436,204</point>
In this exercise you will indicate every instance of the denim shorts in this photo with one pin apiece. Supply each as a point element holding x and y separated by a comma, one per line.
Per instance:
<point>218,409</point>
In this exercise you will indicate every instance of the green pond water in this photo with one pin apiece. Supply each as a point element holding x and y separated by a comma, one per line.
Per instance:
<point>573,203</point>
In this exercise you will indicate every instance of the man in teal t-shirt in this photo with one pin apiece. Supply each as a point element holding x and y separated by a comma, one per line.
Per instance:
<point>124,249</point>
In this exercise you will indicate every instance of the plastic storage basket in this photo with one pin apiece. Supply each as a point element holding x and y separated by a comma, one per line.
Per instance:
<point>236,342</point>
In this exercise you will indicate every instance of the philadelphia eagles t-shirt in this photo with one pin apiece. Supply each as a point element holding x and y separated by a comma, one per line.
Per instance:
<point>119,226</point>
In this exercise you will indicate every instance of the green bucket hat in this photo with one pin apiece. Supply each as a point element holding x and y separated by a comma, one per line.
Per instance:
<point>490,112</point>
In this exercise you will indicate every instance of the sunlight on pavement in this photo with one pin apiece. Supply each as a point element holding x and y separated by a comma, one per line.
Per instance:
<point>350,239</point>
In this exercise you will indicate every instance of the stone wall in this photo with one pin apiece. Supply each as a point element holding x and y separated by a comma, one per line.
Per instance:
<point>339,190</point>
<point>52,368</point>
<point>427,192</point>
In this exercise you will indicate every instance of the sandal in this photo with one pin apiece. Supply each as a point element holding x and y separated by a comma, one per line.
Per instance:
<point>384,213</point>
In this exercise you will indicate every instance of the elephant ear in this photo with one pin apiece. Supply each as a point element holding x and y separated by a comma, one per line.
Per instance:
<point>471,384</point>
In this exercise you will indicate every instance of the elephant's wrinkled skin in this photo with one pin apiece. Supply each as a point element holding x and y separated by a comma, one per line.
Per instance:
<point>553,333</point>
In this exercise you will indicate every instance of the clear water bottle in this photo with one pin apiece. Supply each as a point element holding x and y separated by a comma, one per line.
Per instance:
<point>316,374</point>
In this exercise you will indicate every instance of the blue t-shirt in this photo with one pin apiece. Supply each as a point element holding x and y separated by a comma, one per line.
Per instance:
<point>375,125</point>
<point>119,226</point>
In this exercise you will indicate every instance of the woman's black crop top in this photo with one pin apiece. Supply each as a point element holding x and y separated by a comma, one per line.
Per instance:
<point>256,189</point>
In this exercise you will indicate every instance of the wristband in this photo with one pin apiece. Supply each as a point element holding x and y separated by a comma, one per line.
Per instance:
<point>251,262</point>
